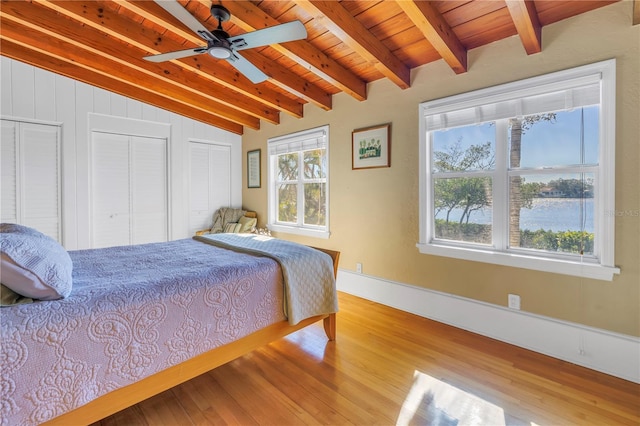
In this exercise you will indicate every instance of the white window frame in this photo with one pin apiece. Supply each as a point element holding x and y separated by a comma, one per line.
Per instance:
<point>601,266</point>
<point>296,142</point>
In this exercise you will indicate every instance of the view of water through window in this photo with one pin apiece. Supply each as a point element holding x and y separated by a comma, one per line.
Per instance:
<point>550,214</point>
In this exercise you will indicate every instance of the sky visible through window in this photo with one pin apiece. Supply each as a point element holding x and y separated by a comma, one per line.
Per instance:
<point>544,144</point>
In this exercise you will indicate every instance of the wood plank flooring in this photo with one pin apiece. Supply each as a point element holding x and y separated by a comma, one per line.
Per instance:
<point>390,367</point>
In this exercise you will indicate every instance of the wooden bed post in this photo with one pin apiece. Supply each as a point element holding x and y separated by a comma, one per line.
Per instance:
<point>330,326</point>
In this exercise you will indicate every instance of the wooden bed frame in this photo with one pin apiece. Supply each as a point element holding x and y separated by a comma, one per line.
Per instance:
<point>127,396</point>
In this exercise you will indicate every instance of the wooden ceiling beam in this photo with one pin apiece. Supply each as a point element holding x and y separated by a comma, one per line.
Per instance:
<point>437,31</point>
<point>221,81</point>
<point>525,18</point>
<point>280,76</point>
<point>33,33</point>
<point>303,88</point>
<point>350,31</point>
<point>250,17</point>
<point>65,67</point>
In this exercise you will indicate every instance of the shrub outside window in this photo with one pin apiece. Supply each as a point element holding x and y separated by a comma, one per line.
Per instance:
<point>522,174</point>
<point>298,183</point>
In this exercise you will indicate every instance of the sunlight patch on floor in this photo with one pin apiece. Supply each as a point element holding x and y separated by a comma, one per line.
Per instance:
<point>444,404</point>
<point>311,340</point>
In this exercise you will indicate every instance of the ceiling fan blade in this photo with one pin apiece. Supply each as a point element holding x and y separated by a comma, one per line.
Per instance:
<point>249,70</point>
<point>161,57</point>
<point>282,33</point>
<point>183,15</point>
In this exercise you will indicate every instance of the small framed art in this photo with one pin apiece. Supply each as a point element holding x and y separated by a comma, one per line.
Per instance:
<point>253,169</point>
<point>371,147</point>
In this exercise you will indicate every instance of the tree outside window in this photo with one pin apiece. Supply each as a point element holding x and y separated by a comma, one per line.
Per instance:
<point>299,183</point>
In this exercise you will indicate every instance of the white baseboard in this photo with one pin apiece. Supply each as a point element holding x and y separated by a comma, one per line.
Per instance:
<point>610,353</point>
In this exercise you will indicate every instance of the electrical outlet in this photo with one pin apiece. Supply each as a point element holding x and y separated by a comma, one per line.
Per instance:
<point>359,267</point>
<point>514,301</point>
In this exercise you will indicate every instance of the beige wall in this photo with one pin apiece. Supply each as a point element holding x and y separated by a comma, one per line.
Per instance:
<point>374,213</point>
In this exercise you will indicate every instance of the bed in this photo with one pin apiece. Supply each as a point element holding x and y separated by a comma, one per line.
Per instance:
<point>142,319</point>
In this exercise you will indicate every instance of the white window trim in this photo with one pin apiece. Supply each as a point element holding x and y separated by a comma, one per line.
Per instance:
<point>302,230</point>
<point>604,269</point>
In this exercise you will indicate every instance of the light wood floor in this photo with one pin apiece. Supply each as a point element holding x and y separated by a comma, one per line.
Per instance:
<point>390,367</point>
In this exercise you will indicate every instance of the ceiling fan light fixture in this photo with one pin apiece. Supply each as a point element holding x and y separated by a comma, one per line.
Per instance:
<point>220,52</point>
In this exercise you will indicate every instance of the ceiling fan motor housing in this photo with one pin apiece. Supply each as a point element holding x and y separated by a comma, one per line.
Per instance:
<point>220,12</point>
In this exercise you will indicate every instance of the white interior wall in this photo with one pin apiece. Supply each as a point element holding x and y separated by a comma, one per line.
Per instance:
<point>31,94</point>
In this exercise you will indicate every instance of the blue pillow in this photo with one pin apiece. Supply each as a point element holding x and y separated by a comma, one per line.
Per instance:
<point>32,264</point>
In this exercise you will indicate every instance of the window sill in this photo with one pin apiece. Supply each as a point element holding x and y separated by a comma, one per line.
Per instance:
<point>305,232</point>
<point>579,269</point>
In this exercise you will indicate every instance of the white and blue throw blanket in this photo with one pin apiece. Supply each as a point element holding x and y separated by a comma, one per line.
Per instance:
<point>309,280</point>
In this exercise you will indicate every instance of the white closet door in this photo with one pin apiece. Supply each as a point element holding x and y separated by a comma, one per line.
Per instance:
<point>199,187</point>
<point>110,190</point>
<point>210,182</point>
<point>220,183</point>
<point>40,178</point>
<point>128,190</point>
<point>149,190</point>
<point>8,172</point>
<point>31,176</point>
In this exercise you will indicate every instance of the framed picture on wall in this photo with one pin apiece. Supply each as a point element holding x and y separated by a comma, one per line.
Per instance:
<point>371,147</point>
<point>253,169</point>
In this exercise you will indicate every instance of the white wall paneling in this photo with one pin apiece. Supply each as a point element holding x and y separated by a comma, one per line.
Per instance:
<point>35,95</point>
<point>23,82</point>
<point>44,94</point>
<point>82,107</point>
<point>65,108</point>
<point>6,99</point>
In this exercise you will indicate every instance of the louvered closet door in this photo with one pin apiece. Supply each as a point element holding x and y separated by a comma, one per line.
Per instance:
<point>210,182</point>
<point>129,190</point>
<point>8,172</point>
<point>31,176</point>
<point>149,190</point>
<point>110,190</point>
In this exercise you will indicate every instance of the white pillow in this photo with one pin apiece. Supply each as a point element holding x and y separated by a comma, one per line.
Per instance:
<point>23,281</point>
<point>33,264</point>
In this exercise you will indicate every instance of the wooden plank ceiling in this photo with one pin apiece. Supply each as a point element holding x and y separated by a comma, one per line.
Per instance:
<point>350,44</point>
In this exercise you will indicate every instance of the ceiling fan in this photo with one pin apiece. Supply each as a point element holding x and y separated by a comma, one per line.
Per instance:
<point>221,46</point>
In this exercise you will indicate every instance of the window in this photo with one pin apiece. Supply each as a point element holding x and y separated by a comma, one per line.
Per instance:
<point>522,174</point>
<point>298,171</point>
